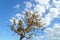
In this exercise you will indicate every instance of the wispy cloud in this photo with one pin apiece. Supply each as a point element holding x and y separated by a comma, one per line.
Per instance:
<point>42,2</point>
<point>28,4</point>
<point>17,6</point>
<point>53,33</point>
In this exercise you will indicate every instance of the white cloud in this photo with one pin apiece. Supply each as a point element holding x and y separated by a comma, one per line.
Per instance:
<point>11,20</point>
<point>17,17</point>
<point>53,13</point>
<point>57,27</point>
<point>46,20</point>
<point>39,8</point>
<point>42,2</point>
<point>28,4</point>
<point>48,6</point>
<point>37,37</point>
<point>18,14</point>
<point>26,9</point>
<point>53,33</point>
<point>56,3</point>
<point>17,6</point>
<point>50,33</point>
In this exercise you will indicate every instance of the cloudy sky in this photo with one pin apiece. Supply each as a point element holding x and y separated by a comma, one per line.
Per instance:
<point>49,11</point>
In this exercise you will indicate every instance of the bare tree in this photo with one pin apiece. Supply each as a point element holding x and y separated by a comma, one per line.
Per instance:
<point>32,22</point>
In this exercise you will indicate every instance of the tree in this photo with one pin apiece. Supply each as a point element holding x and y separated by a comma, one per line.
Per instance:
<point>32,22</point>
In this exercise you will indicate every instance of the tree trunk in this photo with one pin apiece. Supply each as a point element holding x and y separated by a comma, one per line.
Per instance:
<point>21,37</point>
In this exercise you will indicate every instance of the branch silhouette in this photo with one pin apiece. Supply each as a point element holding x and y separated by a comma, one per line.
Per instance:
<point>31,20</point>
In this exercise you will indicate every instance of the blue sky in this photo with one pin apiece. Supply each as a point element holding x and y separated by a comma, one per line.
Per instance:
<point>6,12</point>
<point>49,10</point>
